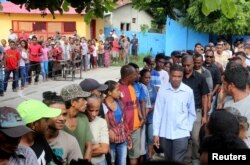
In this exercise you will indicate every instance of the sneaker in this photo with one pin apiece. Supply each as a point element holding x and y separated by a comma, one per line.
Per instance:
<point>35,83</point>
<point>15,90</point>
<point>1,93</point>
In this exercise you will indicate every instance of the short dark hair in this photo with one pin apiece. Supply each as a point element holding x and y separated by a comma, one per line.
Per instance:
<point>52,98</point>
<point>223,122</point>
<point>143,71</point>
<point>126,70</point>
<point>111,86</point>
<point>237,75</point>
<point>134,65</point>
<point>197,44</point>
<point>176,67</point>
<point>147,59</point>
<point>190,52</point>
<point>160,56</point>
<point>197,55</point>
<point>175,53</point>
<point>34,37</point>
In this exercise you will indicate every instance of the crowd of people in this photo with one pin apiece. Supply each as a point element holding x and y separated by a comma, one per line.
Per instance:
<point>24,54</point>
<point>182,106</point>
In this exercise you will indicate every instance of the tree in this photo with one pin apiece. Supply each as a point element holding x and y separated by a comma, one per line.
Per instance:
<point>216,22</point>
<point>92,8</point>
<point>160,9</point>
<point>210,16</point>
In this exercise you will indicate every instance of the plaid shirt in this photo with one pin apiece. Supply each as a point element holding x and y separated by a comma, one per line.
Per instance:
<point>120,129</point>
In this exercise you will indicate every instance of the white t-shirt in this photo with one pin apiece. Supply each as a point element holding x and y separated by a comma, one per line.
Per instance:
<point>12,37</point>
<point>164,77</point>
<point>24,54</point>
<point>243,106</point>
<point>65,147</point>
<point>99,130</point>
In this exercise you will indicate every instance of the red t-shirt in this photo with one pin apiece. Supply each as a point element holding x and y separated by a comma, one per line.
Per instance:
<point>12,58</point>
<point>57,53</point>
<point>35,52</point>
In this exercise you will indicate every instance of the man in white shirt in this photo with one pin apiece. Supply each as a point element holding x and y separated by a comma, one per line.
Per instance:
<point>174,115</point>
<point>12,36</point>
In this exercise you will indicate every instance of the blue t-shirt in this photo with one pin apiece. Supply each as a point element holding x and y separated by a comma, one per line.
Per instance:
<point>118,113</point>
<point>152,90</point>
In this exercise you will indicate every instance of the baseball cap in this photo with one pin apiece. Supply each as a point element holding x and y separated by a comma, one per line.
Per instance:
<point>33,110</point>
<point>73,91</point>
<point>90,84</point>
<point>11,123</point>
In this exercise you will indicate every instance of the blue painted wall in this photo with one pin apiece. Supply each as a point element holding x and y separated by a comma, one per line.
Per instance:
<point>147,41</point>
<point>182,38</point>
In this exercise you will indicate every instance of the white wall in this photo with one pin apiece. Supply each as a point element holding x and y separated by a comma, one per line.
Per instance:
<point>125,14</point>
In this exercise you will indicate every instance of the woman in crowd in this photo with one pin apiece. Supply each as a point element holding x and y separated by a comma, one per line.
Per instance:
<point>119,133</point>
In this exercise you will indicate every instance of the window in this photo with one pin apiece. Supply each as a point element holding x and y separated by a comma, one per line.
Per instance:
<point>43,28</point>
<point>125,26</point>
<point>122,26</point>
<point>39,26</point>
<point>128,26</point>
<point>69,26</point>
<point>133,20</point>
<point>54,26</point>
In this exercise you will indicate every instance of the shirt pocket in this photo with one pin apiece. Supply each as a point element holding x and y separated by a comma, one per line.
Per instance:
<point>182,116</point>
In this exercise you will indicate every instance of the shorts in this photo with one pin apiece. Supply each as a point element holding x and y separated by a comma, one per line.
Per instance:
<point>115,54</point>
<point>134,52</point>
<point>143,140</point>
<point>135,152</point>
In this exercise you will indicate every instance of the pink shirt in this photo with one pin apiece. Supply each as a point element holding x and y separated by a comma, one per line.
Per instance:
<point>45,53</point>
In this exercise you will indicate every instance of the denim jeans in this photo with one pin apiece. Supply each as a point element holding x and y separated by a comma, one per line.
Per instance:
<point>27,68</point>
<point>22,72</point>
<point>118,153</point>
<point>7,76</point>
<point>45,69</point>
<point>103,162</point>
<point>1,79</point>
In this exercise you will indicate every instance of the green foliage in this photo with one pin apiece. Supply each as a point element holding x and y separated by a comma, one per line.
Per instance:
<point>227,7</point>
<point>144,28</point>
<point>217,22</point>
<point>160,9</point>
<point>92,8</point>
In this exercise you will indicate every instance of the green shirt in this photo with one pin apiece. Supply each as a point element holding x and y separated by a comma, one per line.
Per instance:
<point>82,132</point>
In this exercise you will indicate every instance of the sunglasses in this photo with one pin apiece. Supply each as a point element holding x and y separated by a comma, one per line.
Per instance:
<point>209,56</point>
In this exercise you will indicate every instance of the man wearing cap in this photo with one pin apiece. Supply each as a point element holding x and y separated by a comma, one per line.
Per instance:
<point>95,88</point>
<point>35,114</point>
<point>12,128</point>
<point>77,123</point>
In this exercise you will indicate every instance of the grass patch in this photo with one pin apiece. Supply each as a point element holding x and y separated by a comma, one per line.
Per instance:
<point>139,62</point>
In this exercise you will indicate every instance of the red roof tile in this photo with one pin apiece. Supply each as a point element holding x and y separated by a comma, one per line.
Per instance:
<point>9,7</point>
